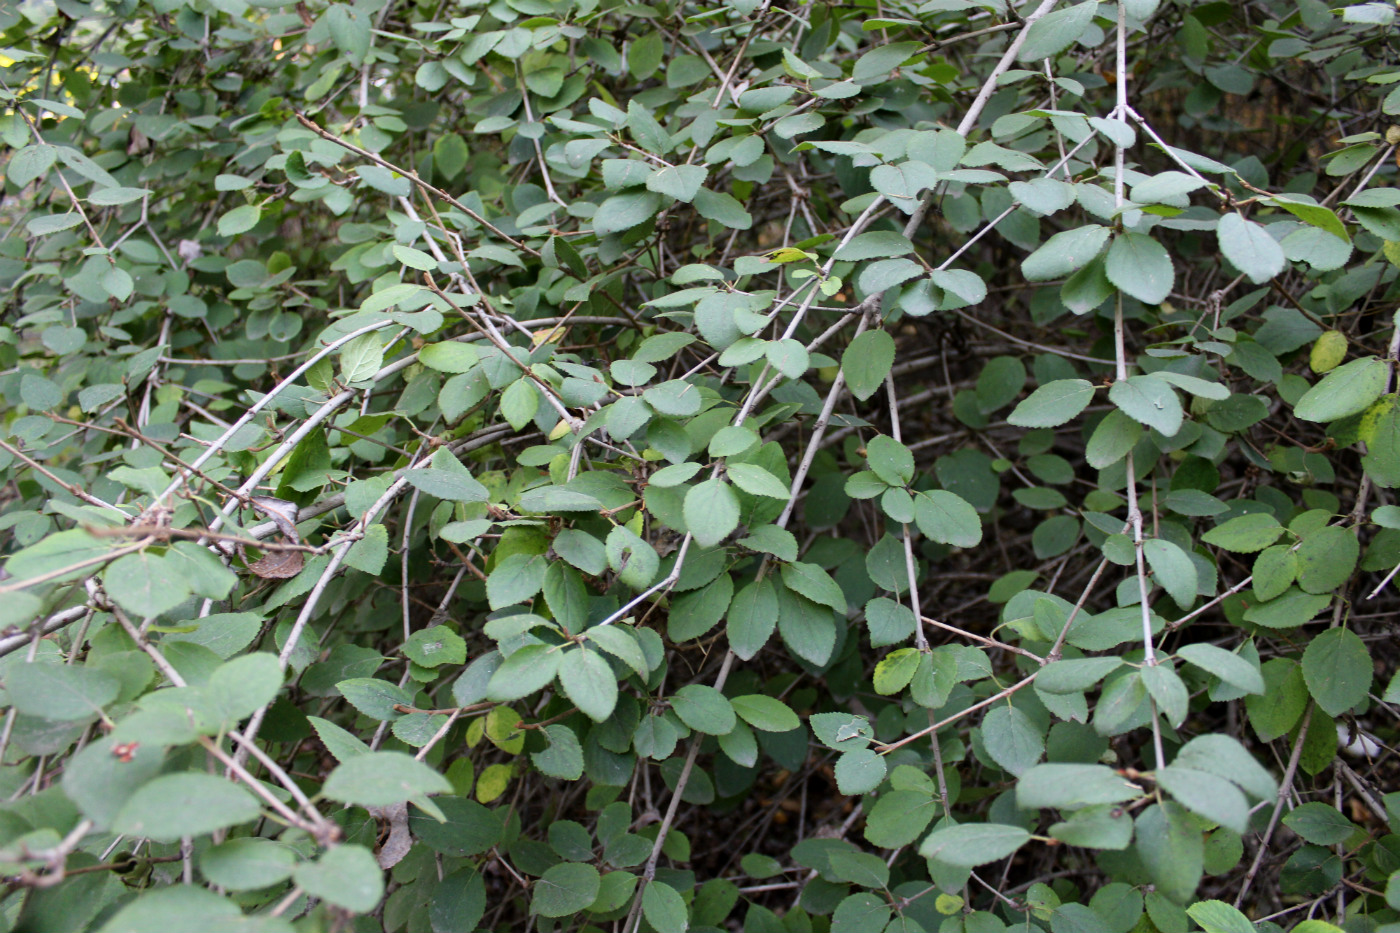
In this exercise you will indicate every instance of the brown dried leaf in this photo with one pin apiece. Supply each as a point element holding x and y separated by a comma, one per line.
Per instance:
<point>397,843</point>
<point>279,565</point>
<point>282,513</point>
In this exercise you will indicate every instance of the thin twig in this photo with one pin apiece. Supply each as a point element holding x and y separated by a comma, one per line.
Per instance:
<point>1284,787</point>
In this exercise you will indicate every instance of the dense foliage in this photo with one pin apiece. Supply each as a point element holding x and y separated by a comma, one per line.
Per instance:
<point>912,465</point>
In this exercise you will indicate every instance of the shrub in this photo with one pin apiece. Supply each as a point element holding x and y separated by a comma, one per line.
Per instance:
<point>551,465</point>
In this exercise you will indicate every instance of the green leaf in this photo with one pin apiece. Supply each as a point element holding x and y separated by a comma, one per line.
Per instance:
<point>347,876</point>
<point>239,220</point>
<point>1203,388</point>
<point>1219,917</point>
<point>414,258</point>
<point>350,31</point>
<point>861,911</point>
<point>1338,670</point>
<point>862,868</point>
<point>644,56</point>
<point>859,771</point>
<point>867,361</point>
<point>1149,400</point>
<point>589,682</point>
<point>1315,215</point>
<point>899,817</point>
<point>341,744</point>
<point>814,583</point>
<point>1347,390</point>
<point>711,512</point>
<point>1290,610</point>
<point>1284,698</point>
<point>633,559</point>
<point>184,804</point>
<point>1319,824</point>
<point>1327,558</point>
<point>664,908</point>
<point>99,780</point>
<point>1245,534</point>
<point>789,357</point>
<point>373,697</point>
<point>728,441</point>
<point>1225,757</point>
<point>622,212</point>
<point>1055,32</point>
<point>1275,569</point>
<point>361,358</point>
<point>1053,404</point>
<point>1064,253</point>
<point>243,685</point>
<point>519,402</point>
<point>890,460</point>
<point>187,907</point>
<point>808,629</point>
<point>887,273</point>
<point>1167,690</point>
<point>516,579</point>
<point>1097,827</point>
<point>676,474</point>
<point>1172,850</point>
<point>145,584</point>
<point>59,691</point>
<point>1212,797</point>
<point>1173,569</point>
<point>1166,188</point>
<point>557,499</point>
<point>370,553</point>
<point>1075,675</point>
<point>565,889</point>
<point>753,614</point>
<point>1114,437</point>
<point>999,383</point>
<point>1012,739</point>
<point>435,646</point>
<point>947,518</point>
<point>566,596</point>
<point>449,356</point>
<point>875,244</point>
<point>1118,708</point>
<point>1228,666</point>
<point>1086,289</point>
<point>528,670</point>
<point>1071,785</point>
<point>676,398</point>
<point>681,182</point>
<point>973,844</point>
<point>770,539</point>
<point>381,779</point>
<point>1140,266</point>
<point>756,481</point>
<point>703,709</point>
<point>841,731</point>
<point>882,60</point>
<point>619,642</point>
<point>30,163</point>
<point>45,224</point>
<point>564,757</point>
<point>723,209</point>
<point>1249,248</point>
<point>1045,196</point>
<point>247,863</point>
<point>765,712</point>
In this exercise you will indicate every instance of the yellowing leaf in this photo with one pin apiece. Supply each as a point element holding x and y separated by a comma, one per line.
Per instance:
<point>1328,352</point>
